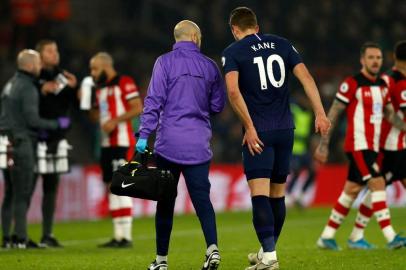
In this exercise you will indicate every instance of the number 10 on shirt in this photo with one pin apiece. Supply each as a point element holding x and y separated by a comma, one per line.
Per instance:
<point>269,70</point>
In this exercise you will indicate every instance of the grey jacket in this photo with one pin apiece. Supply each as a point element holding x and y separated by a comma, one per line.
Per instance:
<point>19,107</point>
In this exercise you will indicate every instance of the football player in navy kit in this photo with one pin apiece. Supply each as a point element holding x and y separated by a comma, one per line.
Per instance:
<point>257,67</point>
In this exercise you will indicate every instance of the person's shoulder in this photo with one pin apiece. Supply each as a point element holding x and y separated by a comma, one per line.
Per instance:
<point>232,47</point>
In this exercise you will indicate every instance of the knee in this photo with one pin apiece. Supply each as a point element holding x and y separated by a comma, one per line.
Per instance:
<point>277,190</point>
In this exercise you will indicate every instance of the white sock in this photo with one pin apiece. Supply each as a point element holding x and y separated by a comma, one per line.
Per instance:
<point>126,225</point>
<point>160,258</point>
<point>356,234</point>
<point>118,233</point>
<point>211,248</point>
<point>382,214</point>
<point>337,215</point>
<point>260,254</point>
<point>268,257</point>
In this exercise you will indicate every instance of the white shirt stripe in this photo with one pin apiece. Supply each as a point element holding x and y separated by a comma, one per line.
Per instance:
<point>377,100</point>
<point>360,140</point>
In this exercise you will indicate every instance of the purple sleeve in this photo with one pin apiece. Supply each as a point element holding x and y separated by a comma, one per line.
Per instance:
<point>154,101</point>
<point>218,93</point>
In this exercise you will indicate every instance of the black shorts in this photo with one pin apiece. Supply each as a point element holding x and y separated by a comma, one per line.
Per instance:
<point>274,161</point>
<point>111,158</point>
<point>363,166</point>
<point>393,164</point>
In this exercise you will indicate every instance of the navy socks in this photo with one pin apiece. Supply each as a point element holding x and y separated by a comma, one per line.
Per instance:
<point>263,220</point>
<point>279,212</point>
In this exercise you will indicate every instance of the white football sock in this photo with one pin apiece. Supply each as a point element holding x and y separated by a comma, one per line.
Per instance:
<point>160,258</point>
<point>268,257</point>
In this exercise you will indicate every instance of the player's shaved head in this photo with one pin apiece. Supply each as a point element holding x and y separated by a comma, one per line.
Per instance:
<point>103,58</point>
<point>29,61</point>
<point>102,67</point>
<point>187,31</point>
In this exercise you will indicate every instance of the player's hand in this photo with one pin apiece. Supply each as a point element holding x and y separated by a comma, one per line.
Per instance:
<point>72,81</point>
<point>254,144</point>
<point>322,124</point>
<point>141,145</point>
<point>321,153</point>
<point>109,126</point>
<point>49,87</point>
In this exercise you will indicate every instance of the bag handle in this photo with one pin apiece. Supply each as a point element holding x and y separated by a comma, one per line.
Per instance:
<point>143,158</point>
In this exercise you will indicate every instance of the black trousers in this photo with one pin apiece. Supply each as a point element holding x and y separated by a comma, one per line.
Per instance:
<point>18,187</point>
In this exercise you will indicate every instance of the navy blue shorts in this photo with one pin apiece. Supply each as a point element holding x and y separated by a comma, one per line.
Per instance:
<point>274,161</point>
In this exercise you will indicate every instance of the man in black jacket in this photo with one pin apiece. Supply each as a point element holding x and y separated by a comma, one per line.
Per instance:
<point>20,119</point>
<point>57,93</point>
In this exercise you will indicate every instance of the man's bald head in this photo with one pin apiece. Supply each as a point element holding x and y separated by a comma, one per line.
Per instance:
<point>102,67</point>
<point>29,61</point>
<point>104,58</point>
<point>187,31</point>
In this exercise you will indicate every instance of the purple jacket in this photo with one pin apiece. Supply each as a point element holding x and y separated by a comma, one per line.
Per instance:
<point>185,88</point>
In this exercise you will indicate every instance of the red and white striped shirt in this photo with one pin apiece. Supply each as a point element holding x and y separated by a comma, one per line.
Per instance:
<point>365,100</point>
<point>392,138</point>
<point>112,101</point>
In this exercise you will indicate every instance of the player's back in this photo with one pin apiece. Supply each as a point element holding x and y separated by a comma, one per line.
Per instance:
<point>264,63</point>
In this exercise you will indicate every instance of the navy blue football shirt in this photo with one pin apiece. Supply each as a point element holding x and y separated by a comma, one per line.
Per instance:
<point>264,63</point>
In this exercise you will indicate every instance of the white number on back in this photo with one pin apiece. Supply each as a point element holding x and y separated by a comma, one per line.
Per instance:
<point>269,69</point>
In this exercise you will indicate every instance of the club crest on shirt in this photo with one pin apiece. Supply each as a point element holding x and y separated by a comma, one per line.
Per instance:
<point>403,95</point>
<point>344,87</point>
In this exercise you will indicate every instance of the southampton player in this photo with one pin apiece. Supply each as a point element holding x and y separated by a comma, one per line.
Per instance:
<point>257,67</point>
<point>392,155</point>
<point>117,103</point>
<point>365,99</point>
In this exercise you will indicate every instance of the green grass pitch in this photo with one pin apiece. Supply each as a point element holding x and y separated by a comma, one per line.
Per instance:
<point>296,248</point>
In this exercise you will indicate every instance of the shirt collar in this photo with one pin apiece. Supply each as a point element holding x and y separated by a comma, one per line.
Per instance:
<point>186,45</point>
<point>27,74</point>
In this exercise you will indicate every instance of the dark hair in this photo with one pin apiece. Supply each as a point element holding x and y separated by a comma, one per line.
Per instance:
<point>243,17</point>
<point>400,50</point>
<point>367,45</point>
<point>42,43</point>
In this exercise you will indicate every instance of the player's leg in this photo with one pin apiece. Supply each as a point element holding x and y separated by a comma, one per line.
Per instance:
<point>50,183</point>
<point>7,209</point>
<point>198,185</point>
<point>377,185</point>
<point>356,173</point>
<point>110,159</point>
<point>164,219</point>
<point>258,170</point>
<point>356,239</point>
<point>283,153</point>
<point>22,176</point>
<point>124,220</point>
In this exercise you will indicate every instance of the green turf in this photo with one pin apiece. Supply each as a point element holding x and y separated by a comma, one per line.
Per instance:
<point>296,248</point>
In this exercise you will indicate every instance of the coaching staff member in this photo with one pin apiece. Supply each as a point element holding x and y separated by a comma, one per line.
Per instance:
<point>185,89</point>
<point>58,93</point>
<point>20,118</point>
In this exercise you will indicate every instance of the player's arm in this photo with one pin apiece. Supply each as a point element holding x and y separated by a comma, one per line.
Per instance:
<point>321,153</point>
<point>393,118</point>
<point>322,124</point>
<point>135,109</point>
<point>240,108</point>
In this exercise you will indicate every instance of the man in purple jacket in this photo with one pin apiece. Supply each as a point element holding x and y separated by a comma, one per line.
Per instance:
<point>185,89</point>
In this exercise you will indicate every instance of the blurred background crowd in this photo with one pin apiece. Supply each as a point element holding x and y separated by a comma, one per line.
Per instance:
<point>130,31</point>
